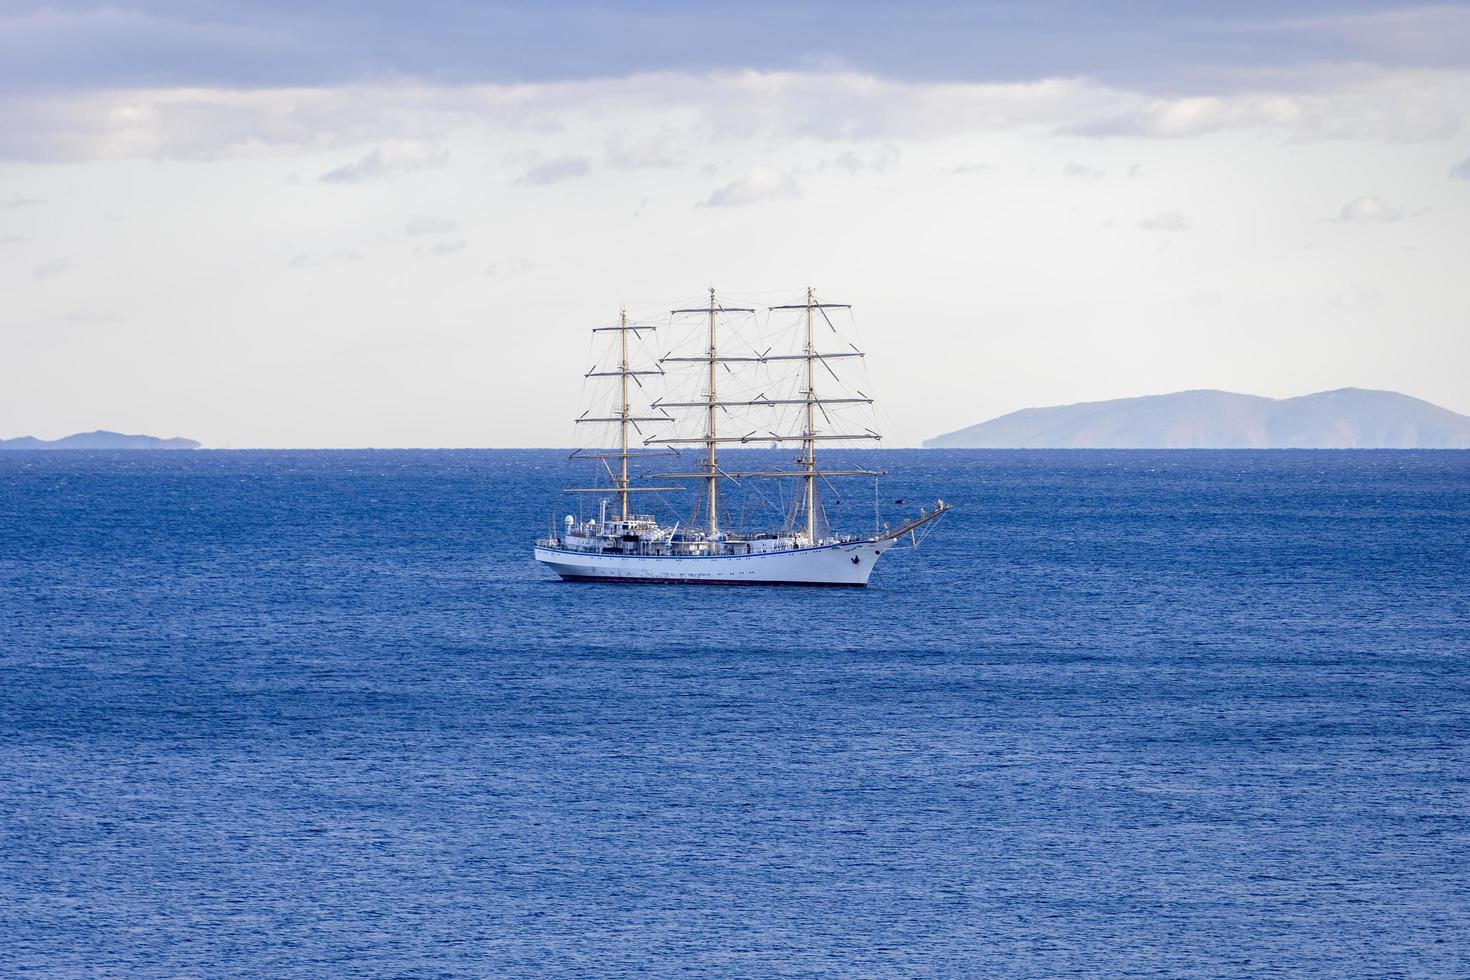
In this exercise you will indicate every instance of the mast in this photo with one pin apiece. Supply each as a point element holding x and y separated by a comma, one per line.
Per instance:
<point>626,421</point>
<point>808,399</point>
<point>711,404</point>
<point>809,445</point>
<point>712,480</point>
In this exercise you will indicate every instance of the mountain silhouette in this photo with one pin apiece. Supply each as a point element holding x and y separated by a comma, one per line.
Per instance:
<point>1347,418</point>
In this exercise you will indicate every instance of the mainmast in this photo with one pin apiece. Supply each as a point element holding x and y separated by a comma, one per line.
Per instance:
<point>712,481</point>
<point>810,445</point>
<point>711,405</point>
<point>626,421</point>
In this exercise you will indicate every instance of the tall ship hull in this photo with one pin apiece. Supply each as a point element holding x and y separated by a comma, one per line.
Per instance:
<point>753,391</point>
<point>833,564</point>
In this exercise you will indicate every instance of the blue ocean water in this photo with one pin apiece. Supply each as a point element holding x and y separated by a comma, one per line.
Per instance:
<point>318,713</point>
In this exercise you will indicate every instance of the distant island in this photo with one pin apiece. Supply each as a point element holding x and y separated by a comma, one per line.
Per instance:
<point>100,439</point>
<point>1348,418</point>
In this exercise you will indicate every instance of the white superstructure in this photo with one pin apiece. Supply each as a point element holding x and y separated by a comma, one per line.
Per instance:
<point>630,547</point>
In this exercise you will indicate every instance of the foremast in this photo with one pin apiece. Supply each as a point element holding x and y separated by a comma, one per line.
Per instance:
<point>808,460</point>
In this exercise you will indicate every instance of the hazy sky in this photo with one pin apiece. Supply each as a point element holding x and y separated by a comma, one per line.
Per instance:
<point>392,224</point>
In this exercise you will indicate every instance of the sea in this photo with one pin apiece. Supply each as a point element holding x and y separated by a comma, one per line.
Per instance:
<point>1122,713</point>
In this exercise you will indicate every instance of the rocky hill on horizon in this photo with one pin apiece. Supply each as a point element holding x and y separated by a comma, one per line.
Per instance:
<point>101,439</point>
<point>1346,418</point>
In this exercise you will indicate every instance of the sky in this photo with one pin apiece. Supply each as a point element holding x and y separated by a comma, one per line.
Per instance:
<point>348,225</point>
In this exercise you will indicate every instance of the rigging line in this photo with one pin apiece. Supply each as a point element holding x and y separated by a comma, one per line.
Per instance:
<point>753,486</point>
<point>927,528</point>
<point>879,409</point>
<point>823,311</point>
<point>721,470</point>
<point>837,494</point>
<point>668,507</point>
<point>876,510</point>
<point>792,513</point>
<point>748,509</point>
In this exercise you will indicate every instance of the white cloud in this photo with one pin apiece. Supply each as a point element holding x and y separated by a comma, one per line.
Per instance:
<point>760,185</point>
<point>1461,170</point>
<point>447,248</point>
<point>887,241</point>
<point>408,123</point>
<point>390,159</point>
<point>557,170</point>
<point>1082,171</point>
<point>624,153</point>
<point>508,267</point>
<point>1368,209</point>
<point>305,260</point>
<point>423,225</point>
<point>854,162</point>
<point>54,267</point>
<point>1165,221</point>
<point>1357,298</point>
<point>1330,103</point>
<point>82,318</point>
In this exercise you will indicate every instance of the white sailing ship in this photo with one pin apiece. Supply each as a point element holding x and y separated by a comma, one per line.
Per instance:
<point>622,545</point>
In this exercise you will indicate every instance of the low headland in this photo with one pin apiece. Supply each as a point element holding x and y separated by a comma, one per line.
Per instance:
<point>101,439</point>
<point>1347,418</point>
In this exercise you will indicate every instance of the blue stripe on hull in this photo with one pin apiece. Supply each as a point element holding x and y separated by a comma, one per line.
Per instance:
<point>619,579</point>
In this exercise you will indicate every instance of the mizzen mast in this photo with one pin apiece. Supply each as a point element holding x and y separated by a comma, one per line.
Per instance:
<point>625,419</point>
